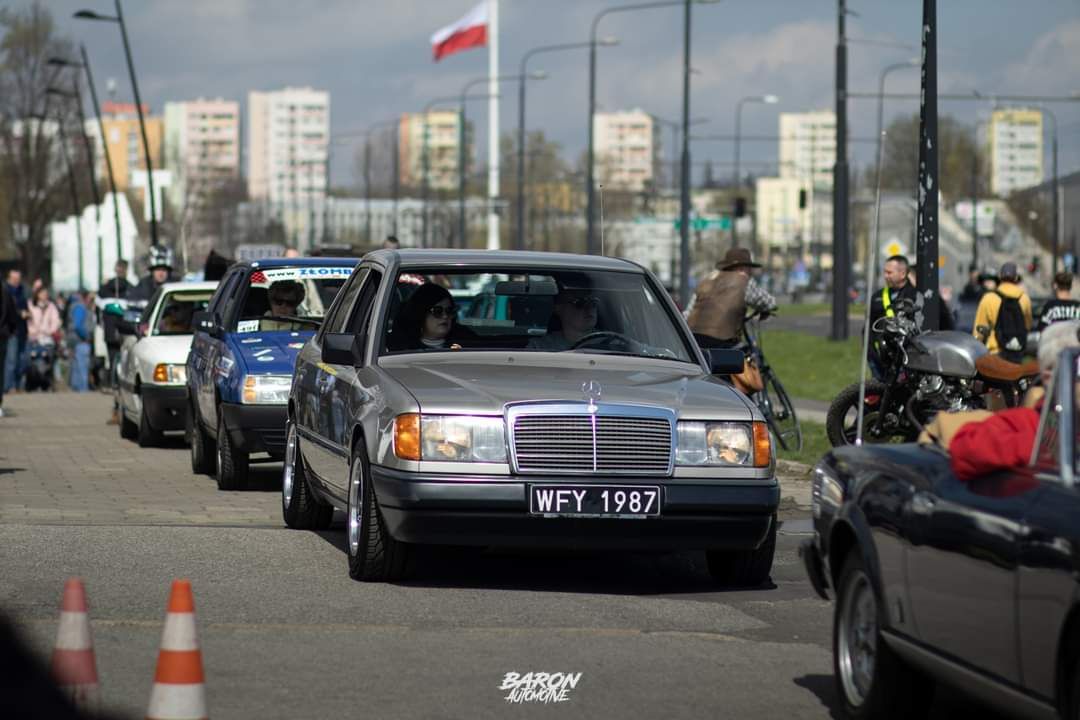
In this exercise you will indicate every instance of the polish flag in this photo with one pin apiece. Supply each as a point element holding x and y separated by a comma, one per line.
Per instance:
<point>468,32</point>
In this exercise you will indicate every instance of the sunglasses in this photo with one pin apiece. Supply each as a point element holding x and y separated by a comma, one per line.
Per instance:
<point>283,301</point>
<point>440,311</point>
<point>584,303</point>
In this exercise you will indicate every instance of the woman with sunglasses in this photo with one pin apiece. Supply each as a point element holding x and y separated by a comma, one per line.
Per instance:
<point>426,321</point>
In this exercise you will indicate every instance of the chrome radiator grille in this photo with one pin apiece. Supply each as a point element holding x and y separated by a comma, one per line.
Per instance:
<point>591,442</point>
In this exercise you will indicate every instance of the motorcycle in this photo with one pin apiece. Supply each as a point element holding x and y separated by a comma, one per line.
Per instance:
<point>924,373</point>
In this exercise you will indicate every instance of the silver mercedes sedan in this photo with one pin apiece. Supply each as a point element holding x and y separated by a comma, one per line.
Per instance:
<point>511,399</point>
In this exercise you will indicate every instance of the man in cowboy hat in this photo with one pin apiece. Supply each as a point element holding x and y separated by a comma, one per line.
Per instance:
<point>723,296</point>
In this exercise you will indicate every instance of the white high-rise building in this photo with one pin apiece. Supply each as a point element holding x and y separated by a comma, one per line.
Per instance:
<point>288,139</point>
<point>808,147</point>
<point>1016,150</point>
<point>202,148</point>
<point>626,145</point>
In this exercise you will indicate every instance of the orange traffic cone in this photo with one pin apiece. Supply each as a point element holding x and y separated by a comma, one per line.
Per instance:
<point>179,692</point>
<point>73,665</point>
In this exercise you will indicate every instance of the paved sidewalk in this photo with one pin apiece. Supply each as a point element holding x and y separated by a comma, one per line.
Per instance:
<point>61,464</point>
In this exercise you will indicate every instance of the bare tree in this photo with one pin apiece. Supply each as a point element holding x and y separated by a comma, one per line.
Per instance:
<point>31,169</point>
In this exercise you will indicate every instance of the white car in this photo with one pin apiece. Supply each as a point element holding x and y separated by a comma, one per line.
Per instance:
<point>152,379</point>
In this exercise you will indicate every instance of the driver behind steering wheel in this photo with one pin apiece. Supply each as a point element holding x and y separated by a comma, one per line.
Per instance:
<point>577,310</point>
<point>285,297</point>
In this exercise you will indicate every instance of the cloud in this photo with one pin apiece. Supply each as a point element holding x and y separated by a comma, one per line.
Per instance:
<point>1051,66</point>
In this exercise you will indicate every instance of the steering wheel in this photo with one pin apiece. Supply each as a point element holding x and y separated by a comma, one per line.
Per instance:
<point>602,335</point>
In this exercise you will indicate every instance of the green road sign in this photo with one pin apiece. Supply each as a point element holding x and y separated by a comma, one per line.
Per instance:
<point>720,222</point>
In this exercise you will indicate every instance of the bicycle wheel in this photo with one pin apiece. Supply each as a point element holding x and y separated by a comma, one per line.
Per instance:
<point>781,412</point>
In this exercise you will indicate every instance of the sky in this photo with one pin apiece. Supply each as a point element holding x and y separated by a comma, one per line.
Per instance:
<point>374,57</point>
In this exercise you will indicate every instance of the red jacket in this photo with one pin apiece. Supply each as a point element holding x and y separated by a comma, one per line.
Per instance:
<point>998,443</point>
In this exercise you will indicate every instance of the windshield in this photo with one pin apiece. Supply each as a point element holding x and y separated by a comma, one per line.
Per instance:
<point>290,299</point>
<point>177,311</point>
<point>606,312</point>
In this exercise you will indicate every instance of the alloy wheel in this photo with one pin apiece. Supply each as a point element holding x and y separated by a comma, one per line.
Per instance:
<point>288,478</point>
<point>858,640</point>
<point>356,511</point>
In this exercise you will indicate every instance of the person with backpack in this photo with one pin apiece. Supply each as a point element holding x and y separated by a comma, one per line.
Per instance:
<point>1003,318</point>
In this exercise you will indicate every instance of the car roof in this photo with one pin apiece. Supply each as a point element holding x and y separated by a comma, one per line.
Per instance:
<point>415,257</point>
<point>304,262</point>
<point>186,286</point>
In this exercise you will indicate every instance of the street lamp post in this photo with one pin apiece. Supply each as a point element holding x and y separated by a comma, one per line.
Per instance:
<point>590,189</point>
<point>1055,241</point>
<point>85,65</point>
<point>676,129</point>
<point>72,187</point>
<point>119,19</point>
<point>462,174</point>
<point>768,100</point>
<point>519,243</point>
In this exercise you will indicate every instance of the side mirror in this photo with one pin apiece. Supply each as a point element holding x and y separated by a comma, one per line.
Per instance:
<point>725,361</point>
<point>343,349</point>
<point>207,322</point>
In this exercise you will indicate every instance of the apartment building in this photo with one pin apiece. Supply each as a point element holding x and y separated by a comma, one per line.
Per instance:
<point>1016,149</point>
<point>288,138</point>
<point>202,147</point>
<point>626,147</point>
<point>443,139</point>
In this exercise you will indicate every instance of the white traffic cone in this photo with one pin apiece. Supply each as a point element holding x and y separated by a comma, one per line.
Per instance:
<point>179,692</point>
<point>73,664</point>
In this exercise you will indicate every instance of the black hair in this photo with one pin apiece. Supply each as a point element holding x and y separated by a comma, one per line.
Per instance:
<point>291,287</point>
<point>409,322</point>
<point>898,258</point>
<point>1063,280</point>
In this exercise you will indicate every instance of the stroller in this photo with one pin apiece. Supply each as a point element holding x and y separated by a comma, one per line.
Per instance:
<point>39,373</point>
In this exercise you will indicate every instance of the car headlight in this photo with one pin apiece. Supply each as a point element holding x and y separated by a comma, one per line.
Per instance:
<point>450,438</point>
<point>825,491</point>
<point>170,374</point>
<point>266,389</point>
<point>723,443</point>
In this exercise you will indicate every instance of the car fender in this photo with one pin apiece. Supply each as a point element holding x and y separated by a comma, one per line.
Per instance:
<point>851,530</point>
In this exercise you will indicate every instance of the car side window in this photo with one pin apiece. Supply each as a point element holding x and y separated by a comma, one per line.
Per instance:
<point>234,294</point>
<point>217,302</point>
<point>360,315</point>
<point>339,318</point>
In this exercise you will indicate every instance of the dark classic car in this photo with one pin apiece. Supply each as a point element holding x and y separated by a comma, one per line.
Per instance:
<point>578,412</point>
<point>971,583</point>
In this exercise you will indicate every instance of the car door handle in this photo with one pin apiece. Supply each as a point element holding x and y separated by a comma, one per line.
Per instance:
<point>922,503</point>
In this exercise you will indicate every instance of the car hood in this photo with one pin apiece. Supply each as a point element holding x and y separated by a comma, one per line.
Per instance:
<point>486,382</point>
<point>171,349</point>
<point>274,352</point>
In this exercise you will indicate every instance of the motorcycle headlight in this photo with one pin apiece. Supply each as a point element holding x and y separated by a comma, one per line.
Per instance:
<point>723,443</point>
<point>266,389</point>
<point>168,374</point>
<point>462,438</point>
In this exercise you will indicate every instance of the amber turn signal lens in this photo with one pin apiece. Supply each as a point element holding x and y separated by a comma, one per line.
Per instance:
<point>161,373</point>
<point>407,436</point>
<point>762,445</point>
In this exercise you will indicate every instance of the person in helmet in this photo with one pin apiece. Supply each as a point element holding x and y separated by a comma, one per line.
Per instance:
<point>161,266</point>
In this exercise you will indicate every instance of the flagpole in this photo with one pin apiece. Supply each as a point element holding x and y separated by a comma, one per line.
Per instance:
<point>493,123</point>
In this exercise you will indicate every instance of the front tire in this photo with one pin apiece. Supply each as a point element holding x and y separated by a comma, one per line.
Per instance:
<point>872,681</point>
<point>128,429</point>
<point>300,508</point>
<point>374,555</point>
<point>202,445</point>
<point>147,435</point>
<point>842,419</point>
<point>744,568</point>
<point>232,464</point>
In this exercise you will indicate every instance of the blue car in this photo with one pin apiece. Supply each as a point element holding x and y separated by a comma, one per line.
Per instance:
<point>240,367</point>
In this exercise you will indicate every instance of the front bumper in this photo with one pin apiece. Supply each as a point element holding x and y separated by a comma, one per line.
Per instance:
<point>256,428</point>
<point>165,405</point>
<point>430,509</point>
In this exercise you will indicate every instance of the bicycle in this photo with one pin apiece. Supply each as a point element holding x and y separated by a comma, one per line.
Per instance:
<point>772,399</point>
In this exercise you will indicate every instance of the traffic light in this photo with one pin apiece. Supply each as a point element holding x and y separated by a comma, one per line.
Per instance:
<point>740,207</point>
<point>802,199</point>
